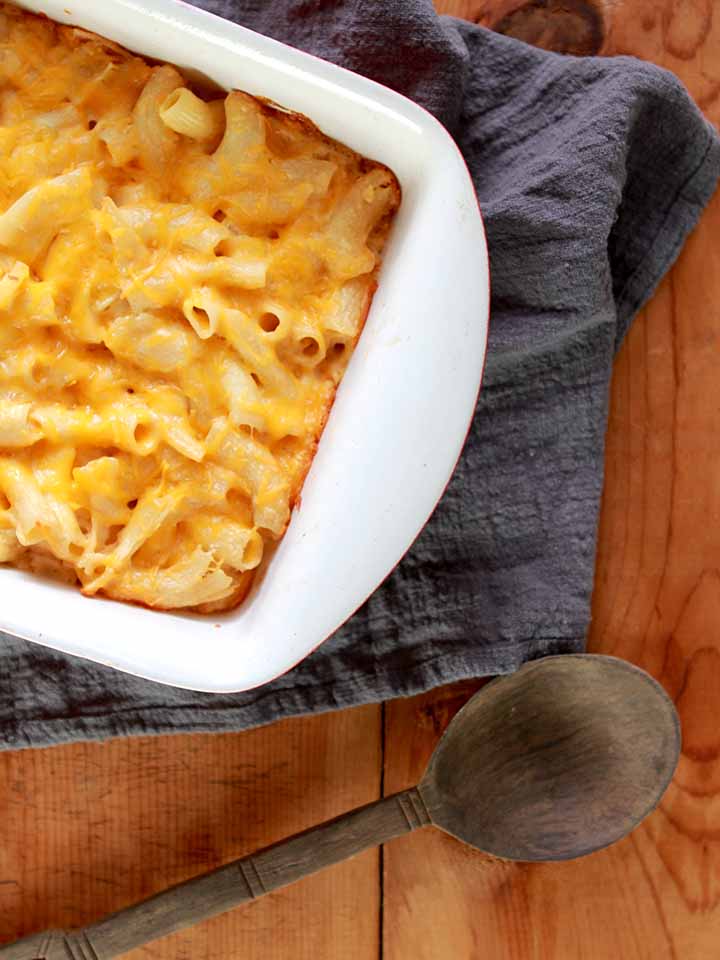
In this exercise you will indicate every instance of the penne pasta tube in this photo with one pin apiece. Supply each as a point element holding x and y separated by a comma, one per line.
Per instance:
<point>188,115</point>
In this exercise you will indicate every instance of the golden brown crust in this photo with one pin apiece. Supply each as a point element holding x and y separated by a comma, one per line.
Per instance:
<point>310,130</point>
<point>307,129</point>
<point>297,491</point>
<point>40,562</point>
<point>76,36</point>
<point>380,237</point>
<point>237,598</point>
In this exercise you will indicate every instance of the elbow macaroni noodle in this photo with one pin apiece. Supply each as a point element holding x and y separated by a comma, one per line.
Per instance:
<point>182,282</point>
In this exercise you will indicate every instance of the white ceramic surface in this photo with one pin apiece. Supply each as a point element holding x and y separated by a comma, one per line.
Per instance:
<point>402,412</point>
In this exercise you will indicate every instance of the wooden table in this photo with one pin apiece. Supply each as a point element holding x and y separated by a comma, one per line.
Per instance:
<point>89,828</point>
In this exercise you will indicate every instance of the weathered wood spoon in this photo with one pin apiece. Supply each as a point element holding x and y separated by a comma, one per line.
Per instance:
<point>563,757</point>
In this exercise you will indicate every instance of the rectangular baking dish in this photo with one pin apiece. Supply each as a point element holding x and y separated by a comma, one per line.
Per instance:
<point>401,414</point>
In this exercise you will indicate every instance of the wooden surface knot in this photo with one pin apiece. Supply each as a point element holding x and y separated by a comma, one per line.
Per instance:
<point>564,26</point>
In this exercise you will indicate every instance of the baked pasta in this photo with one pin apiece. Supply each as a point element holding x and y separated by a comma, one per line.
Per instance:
<point>183,278</point>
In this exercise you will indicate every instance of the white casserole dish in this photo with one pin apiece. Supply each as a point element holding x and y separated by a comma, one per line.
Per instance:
<point>401,414</point>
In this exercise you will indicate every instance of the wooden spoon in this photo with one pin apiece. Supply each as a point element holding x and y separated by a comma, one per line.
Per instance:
<point>564,757</point>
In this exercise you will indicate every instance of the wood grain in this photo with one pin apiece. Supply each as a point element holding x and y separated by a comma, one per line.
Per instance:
<point>655,896</point>
<point>88,829</point>
<point>246,880</point>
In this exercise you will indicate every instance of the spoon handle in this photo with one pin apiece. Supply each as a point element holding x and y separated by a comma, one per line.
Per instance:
<point>236,883</point>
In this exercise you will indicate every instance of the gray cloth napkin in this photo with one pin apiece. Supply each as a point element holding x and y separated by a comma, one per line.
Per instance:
<point>590,173</point>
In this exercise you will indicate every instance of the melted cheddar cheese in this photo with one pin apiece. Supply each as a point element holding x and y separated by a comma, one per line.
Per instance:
<point>182,281</point>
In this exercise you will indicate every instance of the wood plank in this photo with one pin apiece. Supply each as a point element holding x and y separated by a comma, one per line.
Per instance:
<point>90,828</point>
<point>657,602</point>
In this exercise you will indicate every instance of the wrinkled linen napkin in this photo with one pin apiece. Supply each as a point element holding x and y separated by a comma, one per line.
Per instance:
<point>590,173</point>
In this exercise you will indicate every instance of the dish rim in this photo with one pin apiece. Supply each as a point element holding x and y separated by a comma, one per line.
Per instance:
<point>194,21</point>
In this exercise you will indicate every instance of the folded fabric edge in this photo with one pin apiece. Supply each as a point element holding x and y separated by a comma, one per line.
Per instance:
<point>683,212</point>
<point>277,705</point>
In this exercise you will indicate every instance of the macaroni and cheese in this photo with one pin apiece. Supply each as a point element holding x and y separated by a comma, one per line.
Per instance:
<point>182,281</point>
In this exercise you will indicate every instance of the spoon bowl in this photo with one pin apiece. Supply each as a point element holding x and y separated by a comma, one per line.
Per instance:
<point>562,758</point>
